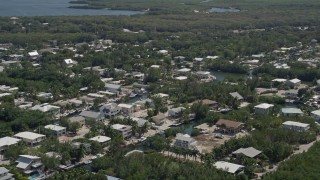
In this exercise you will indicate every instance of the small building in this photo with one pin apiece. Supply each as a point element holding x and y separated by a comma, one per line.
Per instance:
<point>184,71</point>
<point>291,112</point>
<point>127,108</point>
<point>90,115</point>
<point>70,62</point>
<point>176,112</point>
<point>29,164</point>
<point>316,115</point>
<point>141,122</point>
<point>249,152</point>
<point>48,109</point>
<point>125,130</point>
<point>57,130</point>
<point>5,142</point>
<point>228,126</point>
<point>45,95</point>
<point>114,88</point>
<point>185,141</point>
<point>236,95</point>
<point>110,110</point>
<point>101,139</point>
<point>159,119</point>
<point>293,83</point>
<point>212,104</point>
<point>291,94</point>
<point>30,138</point>
<point>296,126</point>
<point>5,175</point>
<point>263,108</point>
<point>77,119</point>
<point>229,167</point>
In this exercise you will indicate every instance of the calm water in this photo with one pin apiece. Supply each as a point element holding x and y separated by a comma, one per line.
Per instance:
<point>51,8</point>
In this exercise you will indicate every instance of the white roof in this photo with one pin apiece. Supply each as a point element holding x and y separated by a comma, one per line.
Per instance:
<point>125,106</point>
<point>162,95</point>
<point>54,127</point>
<point>212,57</point>
<point>250,152</point>
<point>264,106</point>
<point>7,141</point>
<point>100,139</point>
<point>198,59</point>
<point>293,123</point>
<point>229,167</point>
<point>291,111</point>
<point>155,66</point>
<point>45,107</point>
<point>279,80</point>
<point>316,112</point>
<point>33,53</point>
<point>181,78</point>
<point>118,126</point>
<point>295,80</point>
<point>69,61</point>
<point>29,135</point>
<point>184,70</point>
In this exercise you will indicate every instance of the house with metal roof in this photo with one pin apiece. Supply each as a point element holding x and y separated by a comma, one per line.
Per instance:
<point>236,95</point>
<point>296,126</point>
<point>90,115</point>
<point>229,167</point>
<point>291,111</point>
<point>316,115</point>
<point>249,152</point>
<point>28,163</point>
<point>5,175</point>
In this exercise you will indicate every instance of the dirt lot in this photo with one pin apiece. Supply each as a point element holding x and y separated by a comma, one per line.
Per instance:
<point>208,142</point>
<point>80,133</point>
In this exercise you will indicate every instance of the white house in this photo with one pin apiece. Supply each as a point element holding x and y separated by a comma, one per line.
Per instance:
<point>294,82</point>
<point>70,62</point>
<point>316,115</point>
<point>185,141</point>
<point>30,138</point>
<point>48,109</point>
<point>28,163</point>
<point>5,175</point>
<point>296,126</point>
<point>5,142</point>
<point>289,112</point>
<point>100,139</point>
<point>125,130</point>
<point>229,167</point>
<point>263,108</point>
<point>249,152</point>
<point>236,95</point>
<point>57,130</point>
<point>127,108</point>
<point>183,71</point>
<point>110,110</point>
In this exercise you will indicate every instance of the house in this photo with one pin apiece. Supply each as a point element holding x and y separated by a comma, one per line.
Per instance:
<point>263,108</point>
<point>296,126</point>
<point>70,62</point>
<point>181,78</point>
<point>236,95</point>
<point>125,130</point>
<point>294,83</point>
<point>249,152</point>
<point>5,142</point>
<point>183,71</point>
<point>291,111</point>
<point>229,167</point>
<point>57,130</point>
<point>5,175</point>
<point>101,139</point>
<point>114,88</point>
<point>185,141</point>
<point>48,109</point>
<point>29,164</point>
<point>212,104</point>
<point>316,115</point>
<point>77,119</point>
<point>228,126</point>
<point>45,95</point>
<point>159,119</point>
<point>198,60</point>
<point>30,138</point>
<point>137,75</point>
<point>179,58</point>
<point>127,108</point>
<point>291,94</point>
<point>176,112</point>
<point>90,115</point>
<point>141,122</point>
<point>110,110</point>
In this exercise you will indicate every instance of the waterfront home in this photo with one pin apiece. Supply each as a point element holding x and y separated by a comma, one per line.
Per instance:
<point>185,141</point>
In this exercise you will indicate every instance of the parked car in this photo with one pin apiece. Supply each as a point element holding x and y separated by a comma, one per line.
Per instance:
<point>218,135</point>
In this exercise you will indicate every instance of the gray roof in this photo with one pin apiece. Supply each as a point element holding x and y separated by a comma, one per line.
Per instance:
<point>3,170</point>
<point>249,152</point>
<point>291,111</point>
<point>112,86</point>
<point>236,95</point>
<point>90,114</point>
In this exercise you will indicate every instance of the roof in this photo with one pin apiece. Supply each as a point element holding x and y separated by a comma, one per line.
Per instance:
<point>279,80</point>
<point>119,126</point>
<point>162,95</point>
<point>141,122</point>
<point>295,80</point>
<point>125,106</point>
<point>112,86</point>
<point>229,123</point>
<point>316,112</point>
<point>184,70</point>
<point>76,119</point>
<point>184,137</point>
<point>236,95</point>
<point>100,139</point>
<point>291,111</point>
<point>112,178</point>
<point>90,114</point>
<point>33,53</point>
<point>250,152</point>
<point>55,127</point>
<point>208,102</point>
<point>25,160</point>
<point>229,167</point>
<point>264,106</point>
<point>29,135</point>
<point>293,123</point>
<point>45,107</point>
<point>181,78</point>
<point>3,170</point>
<point>7,141</point>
